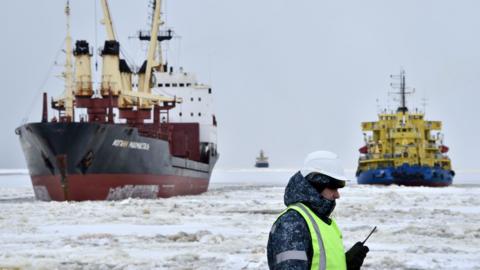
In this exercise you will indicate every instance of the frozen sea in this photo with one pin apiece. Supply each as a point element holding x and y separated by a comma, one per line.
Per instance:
<point>227,227</point>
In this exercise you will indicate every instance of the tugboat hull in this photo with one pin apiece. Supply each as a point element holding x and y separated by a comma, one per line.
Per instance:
<point>407,176</point>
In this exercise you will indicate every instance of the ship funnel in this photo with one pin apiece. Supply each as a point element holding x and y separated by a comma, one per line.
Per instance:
<point>83,70</point>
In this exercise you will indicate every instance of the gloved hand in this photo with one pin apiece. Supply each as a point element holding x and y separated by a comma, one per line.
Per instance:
<point>355,256</point>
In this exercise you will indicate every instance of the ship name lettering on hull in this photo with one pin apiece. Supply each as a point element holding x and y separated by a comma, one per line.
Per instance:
<point>133,145</point>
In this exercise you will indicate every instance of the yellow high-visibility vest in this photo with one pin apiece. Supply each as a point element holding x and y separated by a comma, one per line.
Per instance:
<point>328,250</point>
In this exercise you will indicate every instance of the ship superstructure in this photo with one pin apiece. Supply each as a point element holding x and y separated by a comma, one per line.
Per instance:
<point>147,133</point>
<point>403,148</point>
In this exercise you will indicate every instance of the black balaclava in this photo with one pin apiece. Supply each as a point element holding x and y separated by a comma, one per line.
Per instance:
<point>326,207</point>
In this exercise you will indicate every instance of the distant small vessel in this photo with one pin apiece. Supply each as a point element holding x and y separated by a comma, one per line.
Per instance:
<point>262,160</point>
<point>401,149</point>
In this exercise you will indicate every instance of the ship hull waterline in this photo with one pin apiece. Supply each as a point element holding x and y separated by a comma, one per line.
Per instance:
<point>261,165</point>
<point>407,176</point>
<point>115,186</point>
<point>94,161</point>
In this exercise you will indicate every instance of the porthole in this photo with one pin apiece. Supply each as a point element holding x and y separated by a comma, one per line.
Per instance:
<point>191,114</point>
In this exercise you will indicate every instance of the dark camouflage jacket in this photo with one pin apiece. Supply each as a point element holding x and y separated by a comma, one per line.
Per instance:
<point>290,231</point>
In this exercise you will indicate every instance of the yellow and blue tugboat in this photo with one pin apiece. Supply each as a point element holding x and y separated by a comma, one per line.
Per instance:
<point>401,149</point>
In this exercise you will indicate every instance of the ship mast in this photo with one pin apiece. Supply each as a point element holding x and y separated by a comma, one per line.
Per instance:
<point>403,91</point>
<point>151,59</point>
<point>403,106</point>
<point>68,75</point>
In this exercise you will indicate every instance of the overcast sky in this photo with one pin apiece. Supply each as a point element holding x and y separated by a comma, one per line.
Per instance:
<point>289,77</point>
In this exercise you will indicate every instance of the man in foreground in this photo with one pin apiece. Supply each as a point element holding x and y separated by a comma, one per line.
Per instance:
<point>304,236</point>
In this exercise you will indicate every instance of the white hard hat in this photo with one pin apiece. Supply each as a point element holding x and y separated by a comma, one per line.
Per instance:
<point>323,162</point>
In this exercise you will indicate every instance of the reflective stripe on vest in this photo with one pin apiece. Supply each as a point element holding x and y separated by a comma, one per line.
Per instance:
<point>328,251</point>
<point>291,255</point>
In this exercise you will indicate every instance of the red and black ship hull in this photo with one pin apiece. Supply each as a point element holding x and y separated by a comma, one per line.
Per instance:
<point>97,161</point>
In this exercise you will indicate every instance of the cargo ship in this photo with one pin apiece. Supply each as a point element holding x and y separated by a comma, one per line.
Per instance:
<point>147,133</point>
<point>262,160</point>
<point>401,149</point>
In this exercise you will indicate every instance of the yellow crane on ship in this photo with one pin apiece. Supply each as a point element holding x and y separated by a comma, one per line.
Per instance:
<point>114,80</point>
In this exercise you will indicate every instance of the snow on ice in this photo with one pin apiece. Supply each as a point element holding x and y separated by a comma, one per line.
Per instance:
<point>227,228</point>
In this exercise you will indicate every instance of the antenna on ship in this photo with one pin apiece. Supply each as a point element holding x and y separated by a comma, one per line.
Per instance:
<point>403,90</point>
<point>424,105</point>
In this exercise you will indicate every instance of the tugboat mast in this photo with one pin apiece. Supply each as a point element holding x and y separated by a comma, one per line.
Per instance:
<point>403,92</point>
